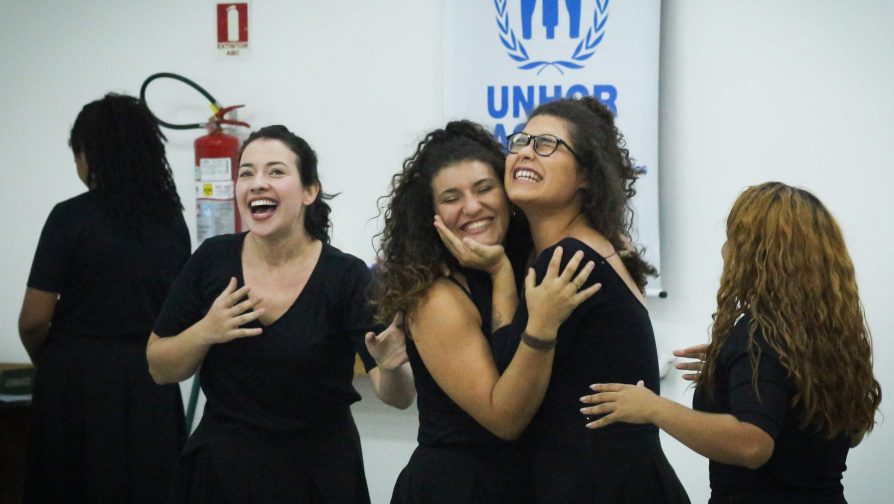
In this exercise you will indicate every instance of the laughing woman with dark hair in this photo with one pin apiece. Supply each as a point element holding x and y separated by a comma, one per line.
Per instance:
<point>103,431</point>
<point>273,318</point>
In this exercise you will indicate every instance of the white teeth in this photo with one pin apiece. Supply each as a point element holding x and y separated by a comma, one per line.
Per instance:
<point>476,226</point>
<point>527,175</point>
<point>262,202</point>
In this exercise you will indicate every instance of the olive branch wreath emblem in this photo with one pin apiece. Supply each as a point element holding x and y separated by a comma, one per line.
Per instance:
<point>515,48</point>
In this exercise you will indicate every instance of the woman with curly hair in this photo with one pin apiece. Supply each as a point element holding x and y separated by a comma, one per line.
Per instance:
<point>570,174</point>
<point>447,201</point>
<point>787,384</point>
<point>103,431</point>
<point>272,319</point>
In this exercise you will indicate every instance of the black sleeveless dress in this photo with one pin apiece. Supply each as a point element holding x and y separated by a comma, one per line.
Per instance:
<point>607,339</point>
<point>457,461</point>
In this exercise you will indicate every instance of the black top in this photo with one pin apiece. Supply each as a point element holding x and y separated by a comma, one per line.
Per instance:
<point>442,421</point>
<point>297,373</point>
<point>804,467</point>
<point>607,339</point>
<point>97,414</point>
<point>112,280</point>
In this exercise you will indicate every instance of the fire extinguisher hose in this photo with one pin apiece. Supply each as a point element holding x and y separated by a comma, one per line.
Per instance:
<point>215,105</point>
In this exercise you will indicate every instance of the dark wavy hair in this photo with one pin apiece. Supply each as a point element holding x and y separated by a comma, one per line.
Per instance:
<point>126,164</point>
<point>788,269</point>
<point>410,249</point>
<point>606,166</point>
<point>316,219</point>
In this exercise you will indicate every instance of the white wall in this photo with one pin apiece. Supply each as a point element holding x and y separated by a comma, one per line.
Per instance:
<point>798,91</point>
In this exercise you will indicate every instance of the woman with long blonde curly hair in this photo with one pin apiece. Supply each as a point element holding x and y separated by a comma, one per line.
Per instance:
<point>787,384</point>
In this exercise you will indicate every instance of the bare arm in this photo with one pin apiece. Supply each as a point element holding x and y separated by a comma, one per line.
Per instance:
<point>720,437</point>
<point>458,355</point>
<point>504,299</point>
<point>176,358</point>
<point>392,378</point>
<point>35,318</point>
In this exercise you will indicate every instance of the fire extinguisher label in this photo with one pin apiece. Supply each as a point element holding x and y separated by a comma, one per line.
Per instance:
<point>214,217</point>
<point>222,190</point>
<point>212,169</point>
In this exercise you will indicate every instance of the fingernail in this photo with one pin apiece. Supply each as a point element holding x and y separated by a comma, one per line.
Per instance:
<point>593,387</point>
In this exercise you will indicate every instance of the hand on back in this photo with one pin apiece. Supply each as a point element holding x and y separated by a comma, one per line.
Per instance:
<point>558,294</point>
<point>693,352</point>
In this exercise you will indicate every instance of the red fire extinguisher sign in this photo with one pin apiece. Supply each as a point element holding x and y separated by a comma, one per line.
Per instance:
<point>232,28</point>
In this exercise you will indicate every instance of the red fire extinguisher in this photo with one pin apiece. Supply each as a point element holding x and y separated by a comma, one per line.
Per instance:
<point>216,166</point>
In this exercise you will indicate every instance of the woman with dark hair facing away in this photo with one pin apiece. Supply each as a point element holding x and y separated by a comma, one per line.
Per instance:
<point>103,431</point>
<point>274,318</point>
<point>787,384</point>
<point>569,172</point>
<point>467,410</point>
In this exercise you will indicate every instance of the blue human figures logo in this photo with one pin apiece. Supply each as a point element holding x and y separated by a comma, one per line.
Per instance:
<point>549,19</point>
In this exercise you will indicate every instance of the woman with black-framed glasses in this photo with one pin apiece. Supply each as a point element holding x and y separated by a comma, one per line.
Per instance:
<point>569,172</point>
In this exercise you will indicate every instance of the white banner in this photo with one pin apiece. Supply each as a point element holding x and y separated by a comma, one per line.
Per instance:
<point>505,57</point>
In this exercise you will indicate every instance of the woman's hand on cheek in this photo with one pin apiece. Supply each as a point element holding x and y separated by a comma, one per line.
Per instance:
<point>469,252</point>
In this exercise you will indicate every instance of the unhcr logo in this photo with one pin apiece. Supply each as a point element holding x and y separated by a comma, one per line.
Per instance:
<point>563,39</point>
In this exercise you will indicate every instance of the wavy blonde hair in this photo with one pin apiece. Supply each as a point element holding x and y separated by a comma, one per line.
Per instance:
<point>788,269</point>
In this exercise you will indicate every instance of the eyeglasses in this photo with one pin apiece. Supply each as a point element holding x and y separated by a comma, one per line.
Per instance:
<point>544,145</point>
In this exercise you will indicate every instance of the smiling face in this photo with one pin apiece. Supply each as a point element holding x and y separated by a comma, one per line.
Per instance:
<point>269,193</point>
<point>469,199</point>
<point>552,181</point>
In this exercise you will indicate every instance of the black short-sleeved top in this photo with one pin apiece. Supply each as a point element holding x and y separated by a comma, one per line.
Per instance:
<point>804,467</point>
<point>112,280</point>
<point>299,371</point>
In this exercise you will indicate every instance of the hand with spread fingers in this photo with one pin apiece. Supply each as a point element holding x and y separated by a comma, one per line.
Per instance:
<point>552,300</point>
<point>693,352</point>
<point>388,348</point>
<point>232,309</point>
<point>620,402</point>
<point>471,253</point>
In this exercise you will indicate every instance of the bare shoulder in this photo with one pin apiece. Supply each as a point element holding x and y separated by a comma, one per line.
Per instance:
<point>444,308</point>
<point>593,239</point>
<point>604,248</point>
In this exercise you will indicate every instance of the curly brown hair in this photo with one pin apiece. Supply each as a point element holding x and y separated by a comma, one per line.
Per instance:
<point>605,163</point>
<point>788,269</point>
<point>410,250</point>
